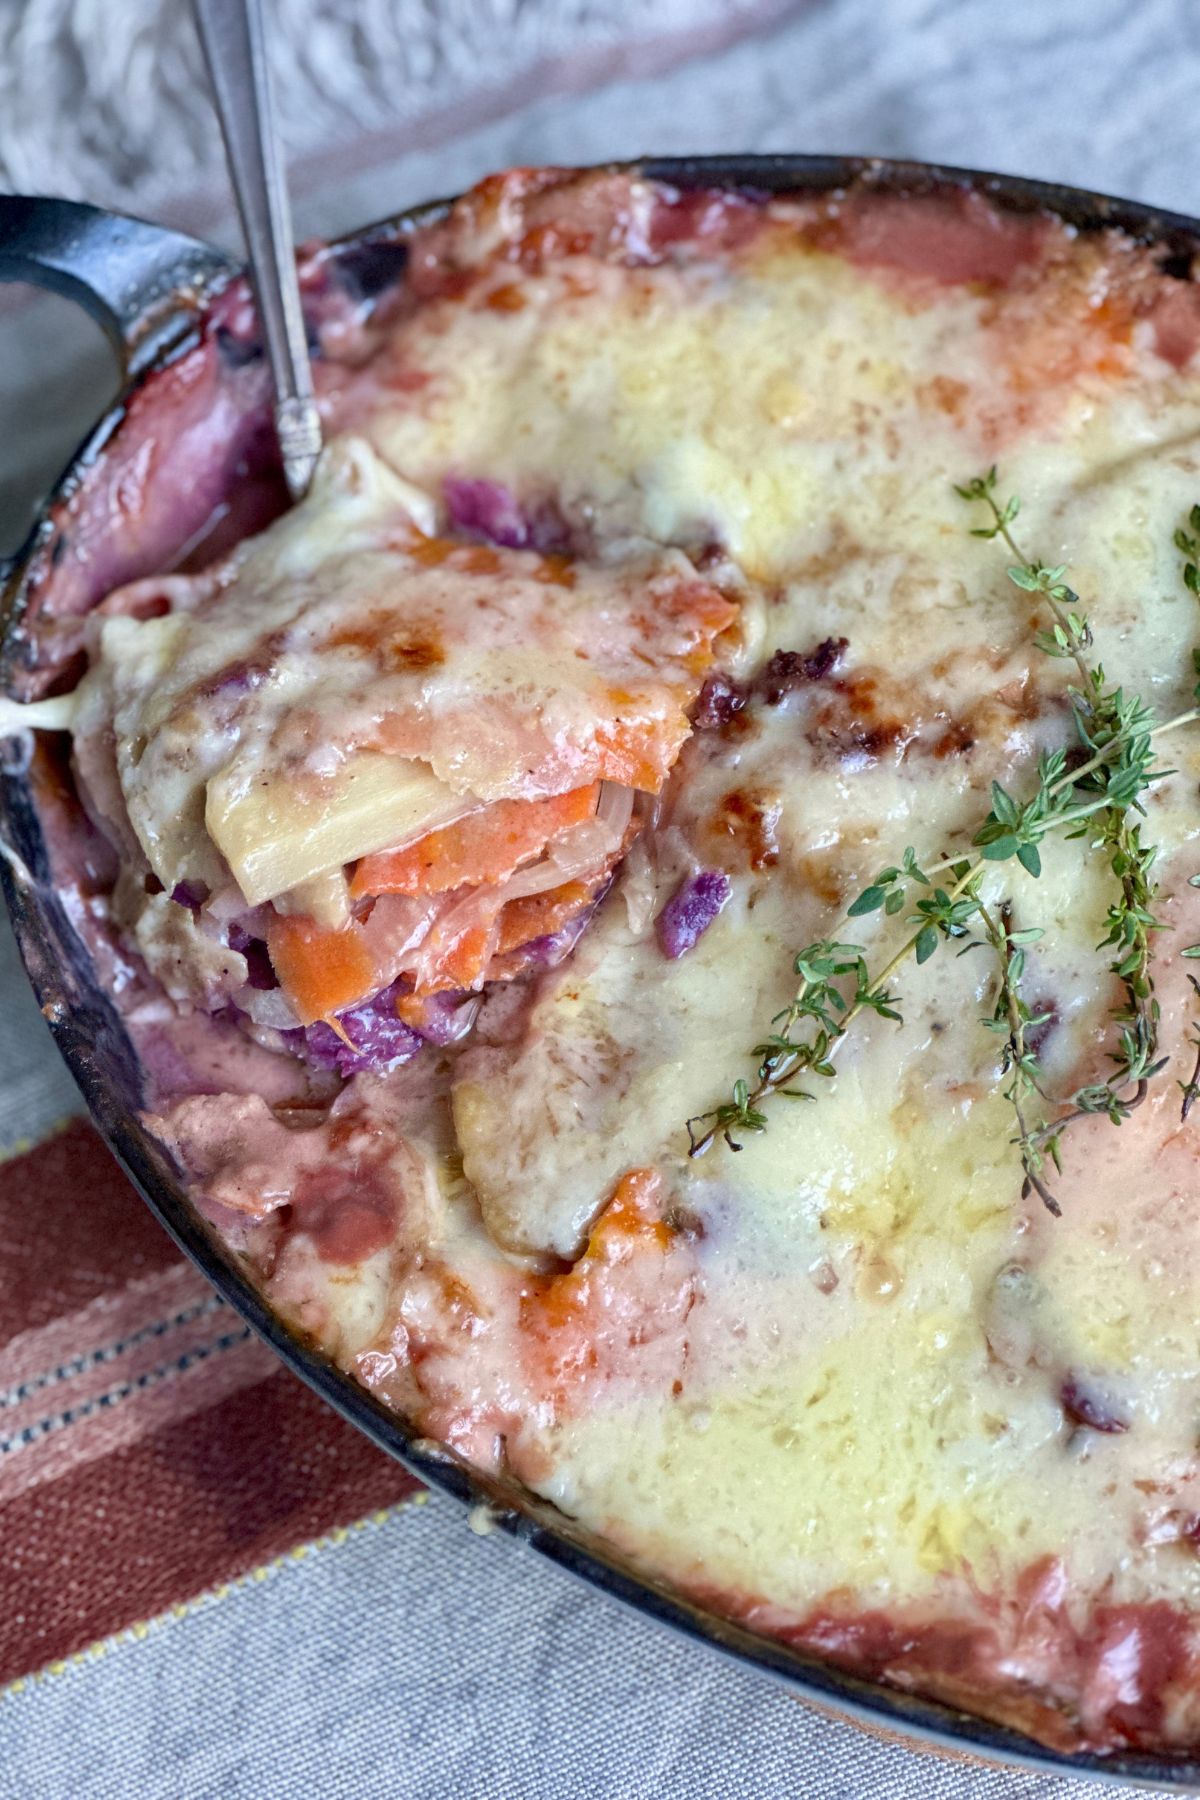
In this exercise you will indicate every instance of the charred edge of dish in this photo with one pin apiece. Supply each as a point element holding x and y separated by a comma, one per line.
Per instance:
<point>834,178</point>
<point>397,230</point>
<point>370,267</point>
<point>1178,264</point>
<point>45,543</point>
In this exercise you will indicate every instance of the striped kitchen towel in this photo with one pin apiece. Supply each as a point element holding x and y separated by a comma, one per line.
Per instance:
<point>150,1447</point>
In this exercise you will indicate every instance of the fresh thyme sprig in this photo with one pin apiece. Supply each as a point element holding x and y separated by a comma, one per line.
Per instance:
<point>1070,634</point>
<point>1014,1019</point>
<point>821,1006</point>
<point>1191,1087</point>
<point>1010,829</point>
<point>1116,734</point>
<point>1188,542</point>
<point>1102,716</point>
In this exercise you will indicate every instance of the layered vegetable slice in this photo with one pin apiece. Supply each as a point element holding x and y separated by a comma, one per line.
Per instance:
<point>277,834</point>
<point>484,846</point>
<point>412,756</point>
<point>458,938</point>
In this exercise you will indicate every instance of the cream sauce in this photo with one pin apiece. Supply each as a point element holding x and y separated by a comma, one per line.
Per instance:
<point>847,1370</point>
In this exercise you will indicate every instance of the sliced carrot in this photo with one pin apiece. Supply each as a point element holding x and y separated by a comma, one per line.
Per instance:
<point>639,756</point>
<point>633,1218</point>
<point>485,846</point>
<point>540,915</point>
<point>321,972</point>
<point>461,963</point>
<point>630,1225</point>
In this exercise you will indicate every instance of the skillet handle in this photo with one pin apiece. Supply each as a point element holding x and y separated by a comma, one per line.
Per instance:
<point>138,281</point>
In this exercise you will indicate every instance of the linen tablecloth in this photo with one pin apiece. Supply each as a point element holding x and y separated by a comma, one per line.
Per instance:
<point>293,1618</point>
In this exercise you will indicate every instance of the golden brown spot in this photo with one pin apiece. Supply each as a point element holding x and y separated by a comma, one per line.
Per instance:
<point>555,571</point>
<point>1021,698</point>
<point>508,298</point>
<point>430,552</point>
<point>820,875</point>
<point>458,1299</point>
<point>750,817</point>
<point>956,740</point>
<point>417,649</point>
<point>413,654</point>
<point>879,1280</point>
<point>944,394</point>
<point>480,559</point>
<point>472,559</point>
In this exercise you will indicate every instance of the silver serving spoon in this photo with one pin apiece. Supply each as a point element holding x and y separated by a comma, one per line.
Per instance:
<point>231,34</point>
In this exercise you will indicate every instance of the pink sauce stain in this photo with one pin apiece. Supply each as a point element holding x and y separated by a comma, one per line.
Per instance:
<point>951,238</point>
<point>715,218</point>
<point>1175,316</point>
<point>349,1212</point>
<point>1134,1655</point>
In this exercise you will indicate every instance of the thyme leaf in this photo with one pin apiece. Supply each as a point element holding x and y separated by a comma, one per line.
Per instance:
<point>1091,795</point>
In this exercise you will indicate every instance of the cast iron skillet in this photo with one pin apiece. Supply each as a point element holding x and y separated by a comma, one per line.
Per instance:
<point>147,287</point>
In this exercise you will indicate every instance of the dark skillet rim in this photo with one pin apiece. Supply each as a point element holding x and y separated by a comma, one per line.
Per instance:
<point>81,1020</point>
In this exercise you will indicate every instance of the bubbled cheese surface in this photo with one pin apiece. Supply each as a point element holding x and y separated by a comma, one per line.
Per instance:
<point>875,1392</point>
<point>870,1437</point>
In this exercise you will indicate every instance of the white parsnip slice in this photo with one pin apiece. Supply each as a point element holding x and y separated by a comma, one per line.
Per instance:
<point>325,899</point>
<point>277,833</point>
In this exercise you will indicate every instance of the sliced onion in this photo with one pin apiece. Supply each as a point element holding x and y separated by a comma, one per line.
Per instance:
<point>227,903</point>
<point>395,927</point>
<point>581,851</point>
<point>638,886</point>
<point>615,808</point>
<point>475,904</point>
<point>266,1006</point>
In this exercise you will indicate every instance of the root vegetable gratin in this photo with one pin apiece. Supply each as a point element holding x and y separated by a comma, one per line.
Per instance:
<point>657,906</point>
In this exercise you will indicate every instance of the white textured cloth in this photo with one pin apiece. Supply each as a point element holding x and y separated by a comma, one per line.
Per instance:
<point>109,103</point>
<point>414,1659</point>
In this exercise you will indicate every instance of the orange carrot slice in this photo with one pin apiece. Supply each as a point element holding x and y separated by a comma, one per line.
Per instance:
<point>630,1224</point>
<point>462,962</point>
<point>639,756</point>
<point>540,915</point>
<point>484,847</point>
<point>593,1316</point>
<point>320,971</point>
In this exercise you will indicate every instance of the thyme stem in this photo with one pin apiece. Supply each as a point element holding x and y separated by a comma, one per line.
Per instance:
<point>1016,1054</point>
<point>1118,733</point>
<point>1191,1087</point>
<point>1073,776</point>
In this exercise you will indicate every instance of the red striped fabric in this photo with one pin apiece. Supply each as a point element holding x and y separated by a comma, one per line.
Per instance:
<point>150,1447</point>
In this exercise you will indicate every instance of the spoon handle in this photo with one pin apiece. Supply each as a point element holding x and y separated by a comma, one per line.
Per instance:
<point>231,34</point>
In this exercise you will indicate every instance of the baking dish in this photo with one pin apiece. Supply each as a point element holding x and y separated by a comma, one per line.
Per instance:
<point>150,290</point>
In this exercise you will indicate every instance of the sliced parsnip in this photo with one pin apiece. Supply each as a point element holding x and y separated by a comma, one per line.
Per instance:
<point>277,833</point>
<point>325,899</point>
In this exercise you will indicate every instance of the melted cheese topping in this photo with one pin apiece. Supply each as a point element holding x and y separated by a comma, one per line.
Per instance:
<point>847,1368</point>
<point>348,682</point>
